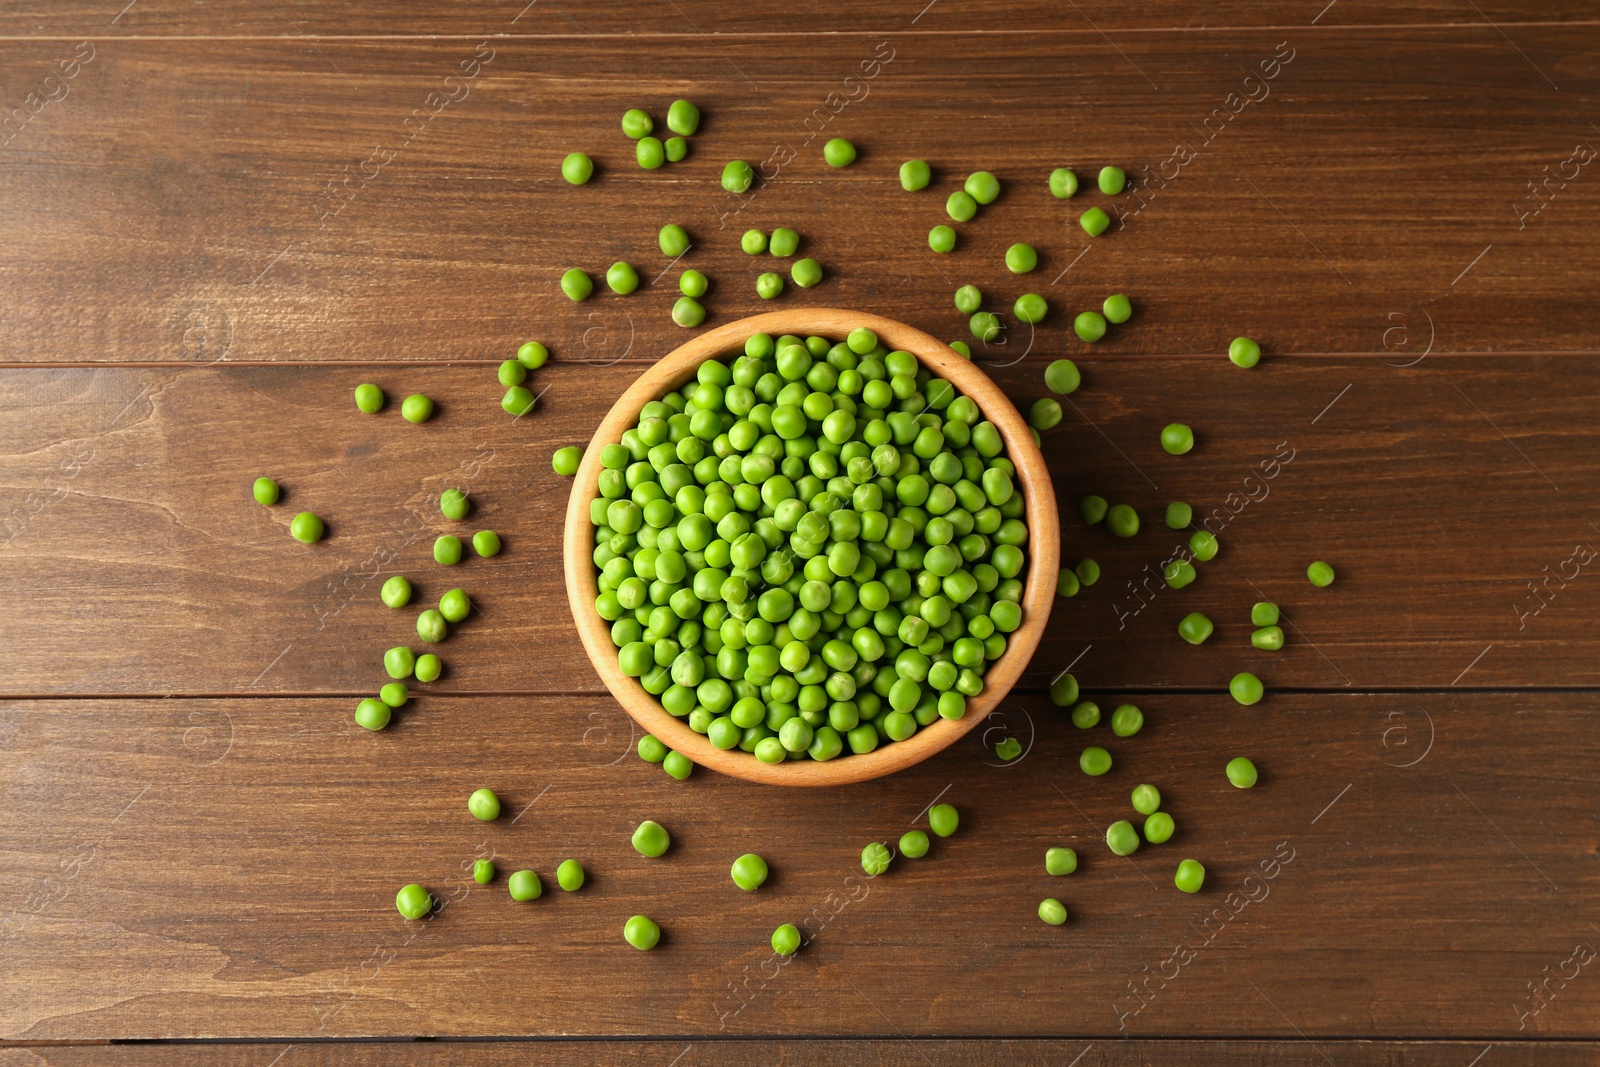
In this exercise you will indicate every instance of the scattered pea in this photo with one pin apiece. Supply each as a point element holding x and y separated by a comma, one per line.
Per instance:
<point>943,819</point>
<point>576,284</point>
<point>369,398</point>
<point>677,765</point>
<point>1176,438</point>
<point>875,858</point>
<point>676,149</point>
<point>1088,571</point>
<point>1264,613</point>
<point>1179,573</point>
<point>570,876</point>
<point>265,490</point>
<point>372,714</point>
<point>1112,180</point>
<point>693,283</point>
<point>673,239</point>
<point>400,662</point>
<point>806,273</point>
<point>942,239</point>
<point>1179,515</point>
<point>985,326</point>
<point>1052,911</point>
<point>1127,720</point>
<point>914,844</point>
<point>413,901</point>
<point>1122,520</point>
<point>512,372</point>
<point>1031,307</point>
<point>484,805</point>
<point>1090,326</point>
<point>962,349</point>
<point>968,298</point>
<point>1059,861</point>
<point>754,242</point>
<point>1094,761</point>
<point>308,528</point>
<point>737,176</point>
<point>1243,352</point>
<point>447,550</point>
<point>532,355</point>
<point>914,175</point>
<point>651,839</point>
<point>431,627</point>
<point>1146,799</point>
<point>455,606</point>
<point>1064,690</point>
<point>636,123</point>
<point>1045,414</point>
<point>1122,838</point>
<point>688,313</point>
<point>1190,877</point>
<point>453,504</point>
<point>524,886</point>
<point>839,152</point>
<point>786,940</point>
<point>683,118</point>
<point>1246,688</point>
<point>982,186</point>
<point>960,206</point>
<point>565,460</point>
<point>429,667</point>
<point>486,543</point>
<point>1086,715</point>
<point>641,932</point>
<point>577,168</point>
<point>1021,258</point>
<point>1195,628</point>
<point>1062,377</point>
<point>416,408</point>
<point>1268,638</point>
<point>483,871</point>
<point>396,592</point>
<point>749,871</point>
<point>1320,574</point>
<point>1158,828</point>
<point>1241,772</point>
<point>1093,509</point>
<point>1203,544</point>
<point>769,285</point>
<point>621,278</point>
<point>1063,183</point>
<point>1094,222</point>
<point>1117,309</point>
<point>1067,583</point>
<point>394,694</point>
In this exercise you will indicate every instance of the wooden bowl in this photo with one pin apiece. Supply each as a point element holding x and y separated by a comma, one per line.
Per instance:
<point>1043,547</point>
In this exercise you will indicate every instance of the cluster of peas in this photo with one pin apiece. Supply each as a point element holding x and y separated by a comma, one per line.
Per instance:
<point>683,119</point>
<point>783,243</point>
<point>814,548</point>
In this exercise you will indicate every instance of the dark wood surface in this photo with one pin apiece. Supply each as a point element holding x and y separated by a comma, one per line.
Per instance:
<point>199,844</point>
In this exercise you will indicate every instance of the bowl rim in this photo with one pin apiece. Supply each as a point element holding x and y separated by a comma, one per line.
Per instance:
<point>1043,547</point>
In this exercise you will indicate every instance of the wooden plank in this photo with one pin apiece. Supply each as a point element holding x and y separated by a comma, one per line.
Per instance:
<point>235,206</point>
<point>391,18</point>
<point>229,868</point>
<point>140,564</point>
<point>888,1053</point>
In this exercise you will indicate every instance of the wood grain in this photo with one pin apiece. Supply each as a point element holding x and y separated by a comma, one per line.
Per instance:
<point>141,565</point>
<point>227,868</point>
<point>695,21</point>
<point>195,200</point>
<point>886,1053</point>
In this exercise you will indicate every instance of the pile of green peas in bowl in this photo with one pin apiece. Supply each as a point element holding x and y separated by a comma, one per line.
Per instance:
<point>813,549</point>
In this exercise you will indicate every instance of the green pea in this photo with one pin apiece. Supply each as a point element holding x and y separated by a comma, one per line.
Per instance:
<point>396,592</point>
<point>1122,520</point>
<point>484,805</point>
<point>1179,573</point>
<point>674,240</point>
<point>1118,309</point>
<point>1176,438</point>
<point>676,149</point>
<point>1268,638</point>
<point>1190,877</point>
<point>1194,628</point>
<point>1064,690</point>
<point>875,858</point>
<point>1122,838</point>
<point>942,239</point>
<point>651,839</point>
<point>621,278</point>
<point>982,186</point>
<point>431,626</point>
<point>416,409</point>
<point>1052,911</point>
<point>806,273</point>
<point>1021,258</point>
<point>915,175</point>
<point>839,152</point>
<point>511,373</point>
<point>414,901</point>
<point>1086,715</point>
<point>570,876</point>
<point>968,299</point>
<point>1090,326</point>
<point>565,460</point>
<point>749,871</point>
<point>455,606</point>
<point>1094,761</point>
<point>1241,772</point>
<point>1063,183</point>
<point>369,398</point>
<point>683,118</point>
<point>737,176</point>
<point>1059,861</point>
<point>1319,573</point>
<point>1094,222</point>
<point>677,765</point>
<point>641,932</point>
<point>308,529</point>
<point>1203,544</point>
<point>486,543</point>
<point>532,355</point>
<point>1030,307</point>
<point>693,283</point>
<point>1158,828</point>
<point>1112,180</point>
<point>1179,515</point>
<point>754,242</point>
<point>372,714</point>
<point>962,349</point>
<point>394,694</point>
<point>483,871</point>
<point>265,491</point>
<point>1067,583</point>
<point>576,284</point>
<point>577,168</point>
<point>428,667</point>
<point>786,940</point>
<point>1246,688</point>
<point>943,819</point>
<point>524,886</point>
<point>1045,414</point>
<point>960,206</point>
<point>1146,799</point>
<point>687,312</point>
<point>453,504</point>
<point>1094,509</point>
<point>1243,352</point>
<point>447,550</point>
<point>985,326</point>
<point>636,123</point>
<point>769,285</point>
<point>1088,571</point>
<point>1264,613</point>
<point>914,843</point>
<point>399,662</point>
<point>1127,720</point>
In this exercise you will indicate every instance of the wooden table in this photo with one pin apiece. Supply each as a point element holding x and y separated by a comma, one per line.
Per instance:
<point>220,218</point>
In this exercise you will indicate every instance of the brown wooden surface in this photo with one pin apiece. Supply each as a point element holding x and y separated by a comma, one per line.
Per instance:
<point>198,843</point>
